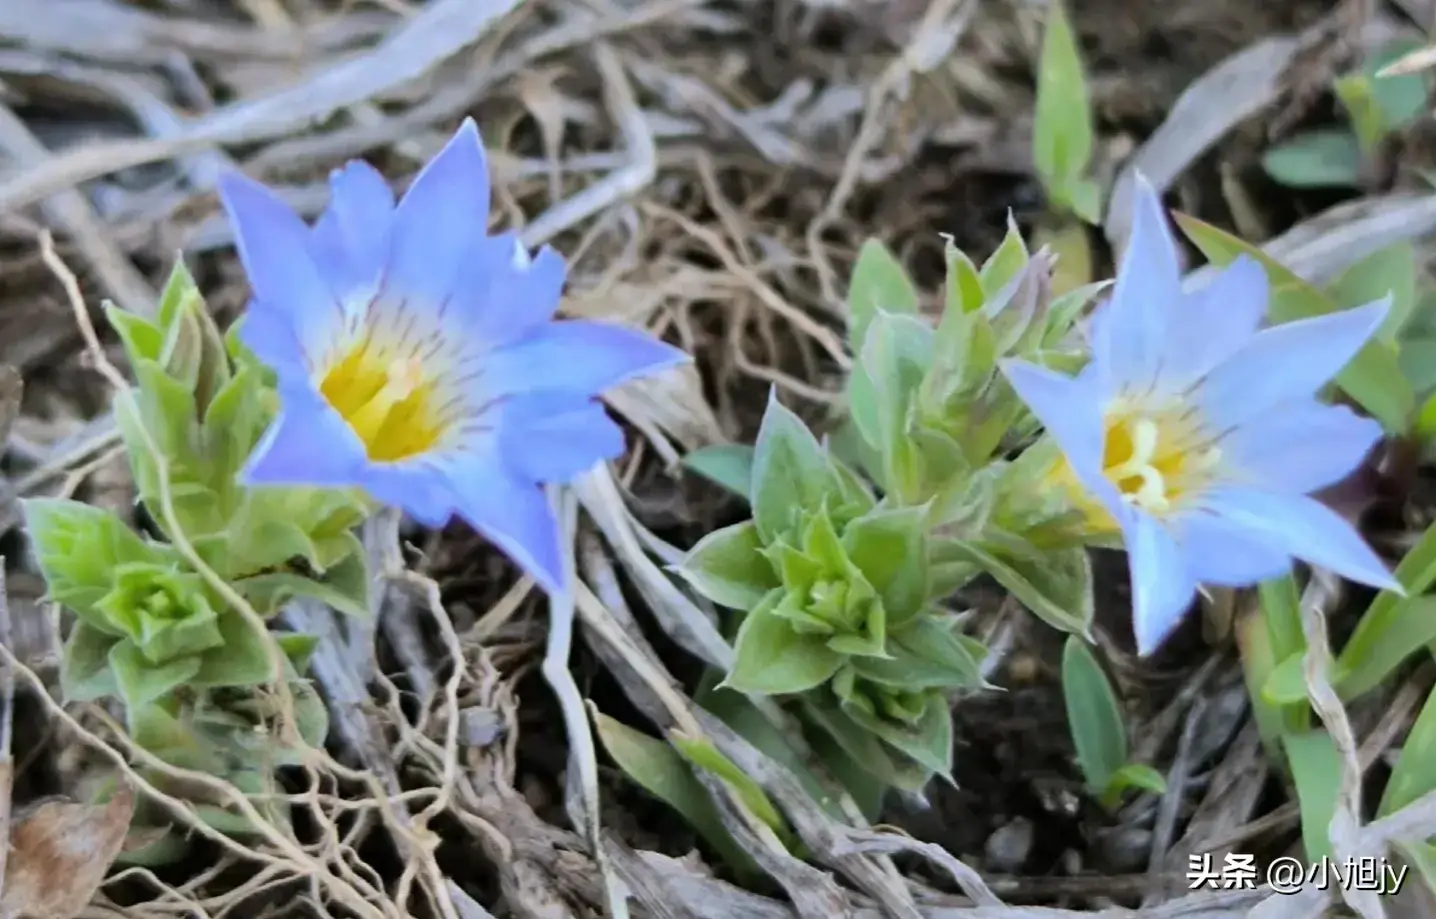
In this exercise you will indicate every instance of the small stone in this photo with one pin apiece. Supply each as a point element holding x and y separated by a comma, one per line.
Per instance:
<point>1126,848</point>
<point>1007,848</point>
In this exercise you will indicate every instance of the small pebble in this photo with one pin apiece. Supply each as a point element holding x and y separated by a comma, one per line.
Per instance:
<point>1007,848</point>
<point>1125,849</point>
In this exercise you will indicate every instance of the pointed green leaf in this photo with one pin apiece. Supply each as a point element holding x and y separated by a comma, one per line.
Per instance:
<point>862,747</point>
<point>1393,627</point>
<point>890,548</point>
<point>1136,775</point>
<point>727,465</point>
<point>878,282</point>
<point>1006,262</point>
<point>1316,771</point>
<point>964,293</point>
<point>1415,771</point>
<point>661,771</point>
<point>1062,134</point>
<point>1093,715</point>
<point>772,659</point>
<point>1387,271</point>
<point>700,752</point>
<point>1056,586</point>
<point>141,682</point>
<point>727,567</point>
<point>791,472</point>
<point>85,673</point>
<point>1319,158</point>
<point>243,660</point>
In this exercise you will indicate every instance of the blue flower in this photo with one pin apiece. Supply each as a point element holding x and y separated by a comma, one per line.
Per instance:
<point>417,357</point>
<point>1198,435</point>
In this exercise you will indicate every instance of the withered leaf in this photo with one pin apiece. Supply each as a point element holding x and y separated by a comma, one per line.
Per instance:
<point>59,855</point>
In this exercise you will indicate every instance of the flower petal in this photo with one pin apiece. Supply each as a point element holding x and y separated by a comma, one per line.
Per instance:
<point>1214,323</point>
<point>578,357</point>
<point>1286,363</point>
<point>555,439</point>
<point>446,207</point>
<point>1130,331</point>
<point>307,444</point>
<point>1069,408</point>
<point>275,247</point>
<point>1300,448</point>
<point>355,227</point>
<point>1224,553</point>
<point>503,294</point>
<point>1162,586</point>
<point>513,514</point>
<point>421,487</point>
<point>1306,529</point>
<point>272,340</point>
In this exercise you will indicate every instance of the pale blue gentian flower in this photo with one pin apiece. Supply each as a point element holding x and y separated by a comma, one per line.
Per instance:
<point>1199,437</point>
<point>417,357</point>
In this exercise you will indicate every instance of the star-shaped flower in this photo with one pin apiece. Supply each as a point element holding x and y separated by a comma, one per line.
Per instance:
<point>417,356</point>
<point>1198,435</point>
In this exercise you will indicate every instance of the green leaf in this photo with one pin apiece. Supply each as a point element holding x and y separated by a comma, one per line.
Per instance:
<point>85,673</point>
<point>1006,262</point>
<point>1136,775</point>
<point>963,292</point>
<point>662,771</point>
<point>78,548</point>
<point>734,710</point>
<point>243,659</point>
<point>1258,664</point>
<point>141,682</point>
<point>865,749</point>
<point>141,339</point>
<point>1084,196</point>
<point>895,357</point>
<point>700,752</point>
<point>889,547</point>
<point>1357,96</point>
<point>925,653</point>
<point>928,742</point>
<point>727,566</point>
<point>1319,158</point>
<point>729,466</point>
<point>1062,135</point>
<point>1393,627</point>
<point>1093,715</point>
<point>1415,771</point>
<point>1401,98</point>
<point>1286,684</point>
<point>878,283</point>
<point>1373,377</point>
<point>1056,586</point>
<point>1316,769</point>
<point>791,471</point>
<point>345,588</point>
<point>772,659</point>
<point>1387,271</point>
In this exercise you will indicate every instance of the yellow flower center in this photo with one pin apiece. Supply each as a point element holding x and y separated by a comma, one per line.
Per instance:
<point>1156,458</point>
<point>389,403</point>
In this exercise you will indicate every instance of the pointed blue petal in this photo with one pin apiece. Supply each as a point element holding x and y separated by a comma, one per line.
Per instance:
<point>274,247</point>
<point>1208,327</point>
<point>1069,408</point>
<point>1130,331</point>
<point>513,514</point>
<point>354,230</point>
<point>1306,529</point>
<point>272,340</point>
<point>419,486</point>
<point>307,444</point>
<point>1226,554</point>
<point>1301,447</point>
<point>1162,587</point>
<point>445,208</point>
<point>502,294</point>
<point>555,439</point>
<point>578,357</point>
<point>1286,363</point>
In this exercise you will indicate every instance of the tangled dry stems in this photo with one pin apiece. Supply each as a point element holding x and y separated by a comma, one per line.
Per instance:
<point>709,169</point>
